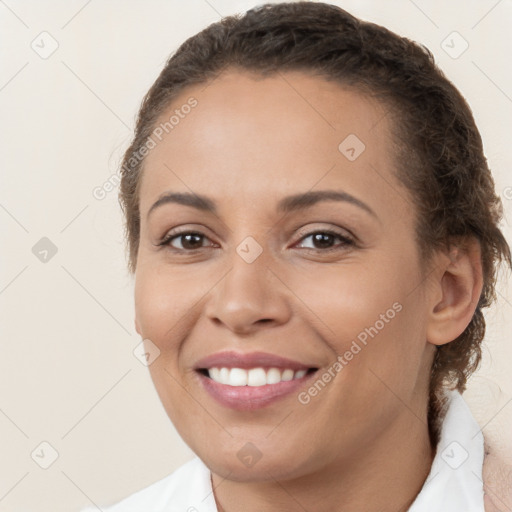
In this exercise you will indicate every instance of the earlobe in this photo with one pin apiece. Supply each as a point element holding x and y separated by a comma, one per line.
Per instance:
<point>460,286</point>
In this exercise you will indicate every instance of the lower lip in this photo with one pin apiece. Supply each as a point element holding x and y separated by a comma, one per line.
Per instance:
<point>247,398</point>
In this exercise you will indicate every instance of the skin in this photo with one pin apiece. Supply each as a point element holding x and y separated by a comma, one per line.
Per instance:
<point>497,477</point>
<point>362,443</point>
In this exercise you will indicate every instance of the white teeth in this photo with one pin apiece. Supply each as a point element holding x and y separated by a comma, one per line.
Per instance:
<point>224,375</point>
<point>215,374</point>
<point>273,376</point>
<point>287,375</point>
<point>253,377</point>
<point>256,377</point>
<point>237,377</point>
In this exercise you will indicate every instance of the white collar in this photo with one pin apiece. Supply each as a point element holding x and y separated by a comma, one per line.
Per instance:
<point>453,485</point>
<point>455,480</point>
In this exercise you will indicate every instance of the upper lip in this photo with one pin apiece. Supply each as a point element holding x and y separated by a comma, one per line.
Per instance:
<point>231,359</point>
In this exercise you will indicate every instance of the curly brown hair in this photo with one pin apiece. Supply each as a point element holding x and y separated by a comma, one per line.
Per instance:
<point>439,155</point>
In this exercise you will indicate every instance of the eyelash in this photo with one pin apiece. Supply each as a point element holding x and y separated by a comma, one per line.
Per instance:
<point>345,241</point>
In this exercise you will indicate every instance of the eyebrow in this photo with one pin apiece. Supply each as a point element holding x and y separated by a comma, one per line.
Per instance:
<point>297,202</point>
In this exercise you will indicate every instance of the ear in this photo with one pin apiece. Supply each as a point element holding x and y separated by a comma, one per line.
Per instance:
<point>456,292</point>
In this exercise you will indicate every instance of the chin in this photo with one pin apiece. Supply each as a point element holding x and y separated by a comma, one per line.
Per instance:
<point>247,464</point>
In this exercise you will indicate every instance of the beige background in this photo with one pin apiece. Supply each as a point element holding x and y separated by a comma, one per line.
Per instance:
<point>68,375</point>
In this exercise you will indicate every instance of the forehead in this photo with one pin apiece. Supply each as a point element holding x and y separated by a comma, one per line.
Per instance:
<point>255,139</point>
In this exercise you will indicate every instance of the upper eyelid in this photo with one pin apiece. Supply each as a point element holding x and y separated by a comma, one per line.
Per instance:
<point>335,230</point>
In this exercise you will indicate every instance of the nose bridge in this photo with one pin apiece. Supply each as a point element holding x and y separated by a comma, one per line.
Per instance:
<point>246,284</point>
<point>249,292</point>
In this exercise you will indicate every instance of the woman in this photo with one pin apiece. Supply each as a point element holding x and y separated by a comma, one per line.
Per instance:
<point>313,231</point>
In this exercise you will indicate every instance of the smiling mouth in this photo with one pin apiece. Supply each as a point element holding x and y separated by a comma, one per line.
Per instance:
<point>254,377</point>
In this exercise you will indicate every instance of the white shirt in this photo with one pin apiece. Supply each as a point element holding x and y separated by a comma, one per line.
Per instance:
<point>454,483</point>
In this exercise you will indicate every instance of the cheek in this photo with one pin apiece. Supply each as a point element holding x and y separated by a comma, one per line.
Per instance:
<point>368,316</point>
<point>151,306</point>
<point>348,299</point>
<point>161,306</point>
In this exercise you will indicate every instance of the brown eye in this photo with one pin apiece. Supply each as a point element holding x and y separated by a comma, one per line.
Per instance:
<point>324,240</point>
<point>187,241</point>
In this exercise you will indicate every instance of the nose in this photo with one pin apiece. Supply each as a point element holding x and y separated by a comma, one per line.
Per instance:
<point>249,297</point>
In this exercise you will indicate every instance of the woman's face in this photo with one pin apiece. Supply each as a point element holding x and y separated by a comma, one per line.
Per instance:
<point>300,263</point>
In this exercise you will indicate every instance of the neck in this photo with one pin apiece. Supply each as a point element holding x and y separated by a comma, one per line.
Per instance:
<point>385,475</point>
